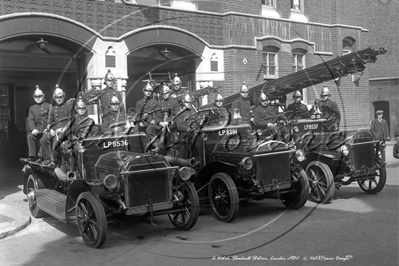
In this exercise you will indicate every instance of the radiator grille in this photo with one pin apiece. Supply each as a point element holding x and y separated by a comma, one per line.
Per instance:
<point>155,185</point>
<point>273,167</point>
<point>362,155</point>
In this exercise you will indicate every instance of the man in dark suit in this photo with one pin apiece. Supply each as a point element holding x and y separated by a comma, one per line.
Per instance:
<point>379,127</point>
<point>379,130</point>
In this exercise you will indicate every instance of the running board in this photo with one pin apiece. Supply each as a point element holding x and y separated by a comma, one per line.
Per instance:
<point>53,203</point>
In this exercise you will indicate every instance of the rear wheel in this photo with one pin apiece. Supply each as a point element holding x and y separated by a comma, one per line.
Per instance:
<point>190,204</point>
<point>297,199</point>
<point>223,197</point>
<point>91,220</point>
<point>33,185</point>
<point>321,182</point>
<point>374,184</point>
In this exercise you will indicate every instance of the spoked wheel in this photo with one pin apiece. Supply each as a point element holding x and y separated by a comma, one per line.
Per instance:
<point>297,199</point>
<point>33,185</point>
<point>374,184</point>
<point>321,182</point>
<point>190,204</point>
<point>91,220</point>
<point>223,197</point>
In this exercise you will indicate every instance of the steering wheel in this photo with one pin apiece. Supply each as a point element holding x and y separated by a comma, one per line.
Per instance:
<point>284,115</point>
<point>198,122</point>
<point>95,130</point>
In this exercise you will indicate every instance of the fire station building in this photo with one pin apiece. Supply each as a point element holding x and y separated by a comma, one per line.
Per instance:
<point>224,43</point>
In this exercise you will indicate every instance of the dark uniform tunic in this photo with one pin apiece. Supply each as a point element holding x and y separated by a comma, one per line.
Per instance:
<point>264,115</point>
<point>144,106</point>
<point>244,105</point>
<point>299,110</point>
<point>113,117</point>
<point>37,119</point>
<point>179,95</point>
<point>217,116</point>
<point>170,104</point>
<point>60,115</point>
<point>184,120</point>
<point>330,111</point>
<point>105,99</point>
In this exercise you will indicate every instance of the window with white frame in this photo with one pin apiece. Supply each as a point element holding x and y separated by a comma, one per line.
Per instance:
<point>268,3</point>
<point>297,5</point>
<point>347,44</point>
<point>179,4</point>
<point>298,60</point>
<point>270,66</point>
<point>269,9</point>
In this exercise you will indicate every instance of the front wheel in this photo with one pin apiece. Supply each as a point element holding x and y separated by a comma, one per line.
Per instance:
<point>374,184</point>
<point>91,220</point>
<point>321,182</point>
<point>223,197</point>
<point>297,199</point>
<point>187,218</point>
<point>33,185</point>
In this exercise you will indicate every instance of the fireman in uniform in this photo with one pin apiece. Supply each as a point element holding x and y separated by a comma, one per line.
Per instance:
<point>187,116</point>
<point>144,106</point>
<point>329,110</point>
<point>114,115</point>
<point>299,109</point>
<point>109,91</point>
<point>60,115</point>
<point>241,107</point>
<point>177,91</point>
<point>219,114</point>
<point>167,105</point>
<point>264,114</point>
<point>38,118</point>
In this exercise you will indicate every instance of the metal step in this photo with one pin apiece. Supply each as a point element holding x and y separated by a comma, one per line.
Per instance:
<point>53,203</point>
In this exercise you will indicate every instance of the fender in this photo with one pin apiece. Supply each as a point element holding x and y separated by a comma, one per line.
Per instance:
<point>205,174</point>
<point>46,180</point>
<point>78,187</point>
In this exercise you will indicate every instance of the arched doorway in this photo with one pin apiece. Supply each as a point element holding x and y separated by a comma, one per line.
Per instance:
<point>184,54</point>
<point>27,61</point>
<point>162,61</point>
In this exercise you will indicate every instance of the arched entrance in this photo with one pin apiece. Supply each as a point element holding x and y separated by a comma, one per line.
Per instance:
<point>161,65</point>
<point>162,51</point>
<point>39,54</point>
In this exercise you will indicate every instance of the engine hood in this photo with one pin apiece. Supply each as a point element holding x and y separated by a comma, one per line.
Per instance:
<point>119,161</point>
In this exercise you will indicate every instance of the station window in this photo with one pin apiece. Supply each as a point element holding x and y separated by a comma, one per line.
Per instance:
<point>298,61</point>
<point>110,59</point>
<point>270,66</point>
<point>269,3</point>
<point>214,63</point>
<point>347,45</point>
<point>297,5</point>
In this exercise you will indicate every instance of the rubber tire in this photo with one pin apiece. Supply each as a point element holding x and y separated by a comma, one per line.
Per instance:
<point>87,204</point>
<point>191,202</point>
<point>34,184</point>
<point>222,184</point>
<point>299,197</point>
<point>326,184</point>
<point>380,184</point>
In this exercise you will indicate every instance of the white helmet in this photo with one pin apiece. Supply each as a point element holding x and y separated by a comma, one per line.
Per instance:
<point>58,92</point>
<point>80,105</point>
<point>325,91</point>
<point>38,95</point>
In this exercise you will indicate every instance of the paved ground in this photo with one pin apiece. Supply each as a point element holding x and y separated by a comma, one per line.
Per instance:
<point>14,210</point>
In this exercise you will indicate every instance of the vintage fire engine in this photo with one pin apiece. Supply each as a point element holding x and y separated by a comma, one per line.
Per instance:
<point>111,176</point>
<point>233,165</point>
<point>333,158</point>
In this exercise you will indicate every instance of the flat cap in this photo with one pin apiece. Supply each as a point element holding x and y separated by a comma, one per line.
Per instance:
<point>379,112</point>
